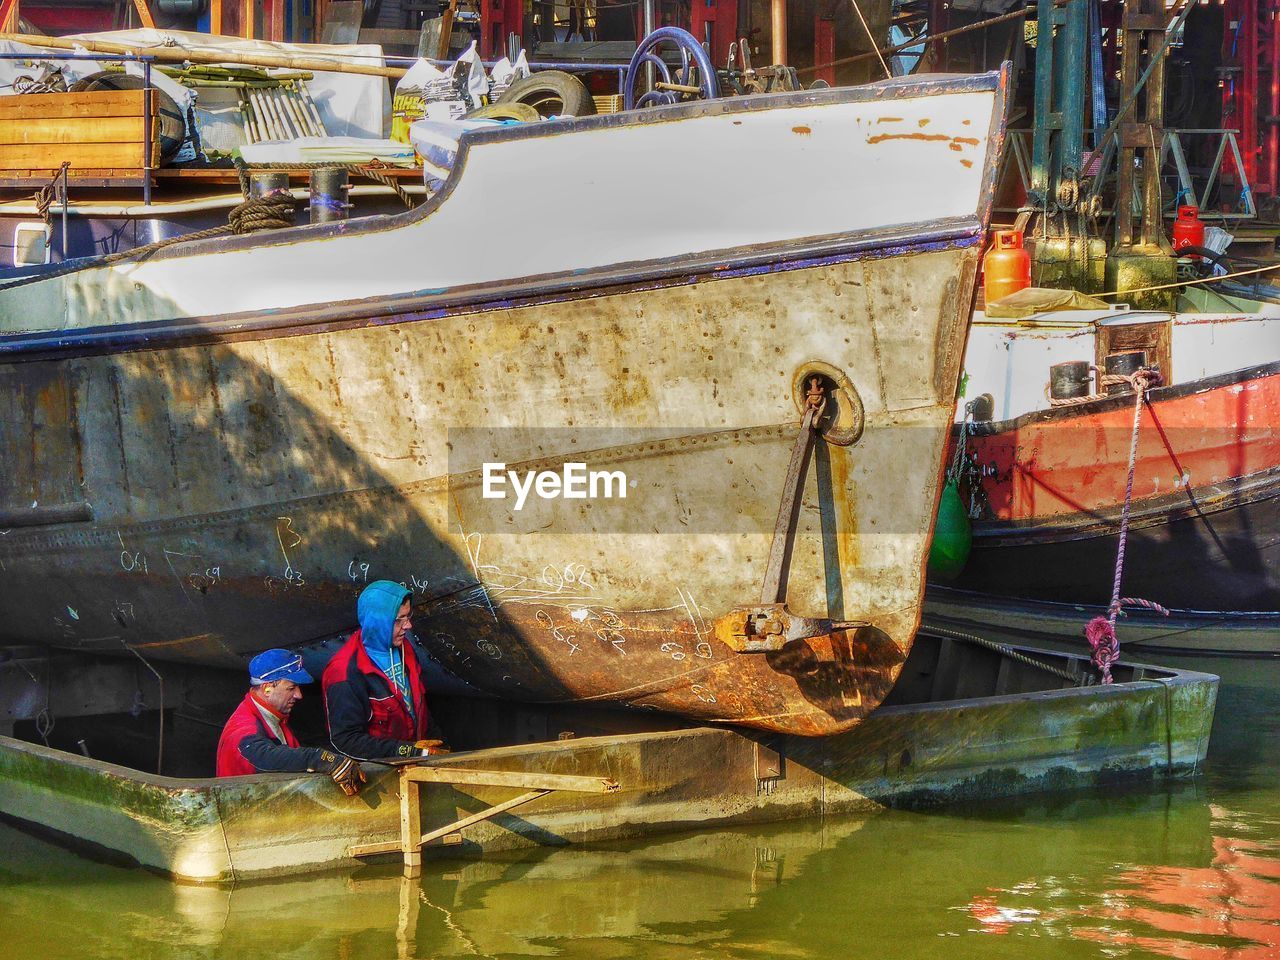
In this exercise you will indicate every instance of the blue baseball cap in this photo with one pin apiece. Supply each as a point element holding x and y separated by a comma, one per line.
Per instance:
<point>272,666</point>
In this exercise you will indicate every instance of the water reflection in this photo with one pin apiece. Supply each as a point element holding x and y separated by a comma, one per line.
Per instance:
<point>1039,870</point>
<point>1228,909</point>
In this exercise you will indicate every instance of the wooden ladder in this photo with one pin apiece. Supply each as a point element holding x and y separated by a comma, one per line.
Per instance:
<point>412,839</point>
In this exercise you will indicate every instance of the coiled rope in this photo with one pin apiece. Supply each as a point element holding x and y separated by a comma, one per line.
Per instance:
<point>373,170</point>
<point>272,211</point>
<point>1106,380</point>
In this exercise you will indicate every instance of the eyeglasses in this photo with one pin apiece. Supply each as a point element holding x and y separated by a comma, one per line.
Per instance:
<point>406,621</point>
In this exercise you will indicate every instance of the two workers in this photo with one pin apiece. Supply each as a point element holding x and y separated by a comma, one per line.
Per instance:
<point>374,695</point>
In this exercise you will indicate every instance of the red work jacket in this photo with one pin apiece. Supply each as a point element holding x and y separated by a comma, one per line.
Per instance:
<point>246,721</point>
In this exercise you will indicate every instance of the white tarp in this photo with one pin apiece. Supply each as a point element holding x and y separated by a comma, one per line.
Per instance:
<point>351,105</point>
<point>41,57</point>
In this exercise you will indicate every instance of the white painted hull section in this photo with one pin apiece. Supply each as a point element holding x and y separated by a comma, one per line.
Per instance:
<point>1011,361</point>
<point>585,196</point>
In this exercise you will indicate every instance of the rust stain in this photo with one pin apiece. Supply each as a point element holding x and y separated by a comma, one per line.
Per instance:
<point>889,120</point>
<point>923,123</point>
<point>881,137</point>
<point>955,146</point>
<point>803,131</point>
<point>967,163</point>
<point>970,141</point>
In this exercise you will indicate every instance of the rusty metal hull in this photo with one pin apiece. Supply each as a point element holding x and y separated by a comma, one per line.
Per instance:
<point>201,489</point>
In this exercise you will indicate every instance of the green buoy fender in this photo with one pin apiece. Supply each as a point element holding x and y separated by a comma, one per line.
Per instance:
<point>952,535</point>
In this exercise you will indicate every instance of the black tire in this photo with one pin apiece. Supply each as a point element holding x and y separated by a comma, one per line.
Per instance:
<point>522,112</point>
<point>172,128</point>
<point>552,93</point>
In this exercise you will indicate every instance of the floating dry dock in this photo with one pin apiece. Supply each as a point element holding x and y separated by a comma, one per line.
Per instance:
<point>965,721</point>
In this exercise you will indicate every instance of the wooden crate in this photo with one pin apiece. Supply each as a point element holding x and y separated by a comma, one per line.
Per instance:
<point>102,134</point>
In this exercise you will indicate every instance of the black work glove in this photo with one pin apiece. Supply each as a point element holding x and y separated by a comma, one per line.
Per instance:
<point>346,773</point>
<point>422,748</point>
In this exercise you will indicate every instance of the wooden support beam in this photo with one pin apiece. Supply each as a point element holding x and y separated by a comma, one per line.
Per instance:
<point>215,17</point>
<point>446,29</point>
<point>485,814</point>
<point>181,55</point>
<point>412,778</point>
<point>508,778</point>
<point>246,19</point>
<point>410,826</point>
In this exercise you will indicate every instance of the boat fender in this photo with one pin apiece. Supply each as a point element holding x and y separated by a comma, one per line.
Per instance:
<point>952,535</point>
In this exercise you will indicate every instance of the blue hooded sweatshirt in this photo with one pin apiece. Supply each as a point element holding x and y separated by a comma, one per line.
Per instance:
<point>376,610</point>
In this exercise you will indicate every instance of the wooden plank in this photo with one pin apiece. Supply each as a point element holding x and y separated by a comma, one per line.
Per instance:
<point>96,103</point>
<point>446,29</point>
<point>93,173</point>
<point>78,130</point>
<point>134,178</point>
<point>509,778</point>
<point>410,825</point>
<point>394,846</point>
<point>37,155</point>
<point>484,814</point>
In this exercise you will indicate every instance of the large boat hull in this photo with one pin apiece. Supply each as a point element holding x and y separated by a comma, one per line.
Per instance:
<point>1205,516</point>
<point>212,481</point>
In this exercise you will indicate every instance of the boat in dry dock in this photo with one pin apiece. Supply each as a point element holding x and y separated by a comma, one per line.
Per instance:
<point>212,448</point>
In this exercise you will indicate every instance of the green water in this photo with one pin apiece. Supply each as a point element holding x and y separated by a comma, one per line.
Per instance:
<point>1191,872</point>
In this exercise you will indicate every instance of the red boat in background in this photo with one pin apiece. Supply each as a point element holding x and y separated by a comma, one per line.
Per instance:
<point>1043,481</point>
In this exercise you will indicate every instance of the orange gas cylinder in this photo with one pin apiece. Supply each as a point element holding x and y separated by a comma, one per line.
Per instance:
<point>1188,229</point>
<point>1006,268</point>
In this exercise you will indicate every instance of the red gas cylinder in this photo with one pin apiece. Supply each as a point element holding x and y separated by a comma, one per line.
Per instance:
<point>1188,229</point>
<point>1006,268</point>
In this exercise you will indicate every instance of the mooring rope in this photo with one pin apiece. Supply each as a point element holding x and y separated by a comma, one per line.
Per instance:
<point>373,170</point>
<point>1106,380</point>
<point>1001,648</point>
<point>273,211</point>
<point>1101,631</point>
<point>46,195</point>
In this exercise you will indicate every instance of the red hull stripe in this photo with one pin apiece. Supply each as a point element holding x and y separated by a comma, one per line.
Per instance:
<point>1049,468</point>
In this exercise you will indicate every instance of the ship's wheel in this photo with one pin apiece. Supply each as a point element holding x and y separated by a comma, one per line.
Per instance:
<point>695,78</point>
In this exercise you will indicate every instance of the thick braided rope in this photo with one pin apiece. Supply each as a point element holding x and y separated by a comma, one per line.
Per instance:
<point>1107,380</point>
<point>1100,632</point>
<point>372,171</point>
<point>273,211</point>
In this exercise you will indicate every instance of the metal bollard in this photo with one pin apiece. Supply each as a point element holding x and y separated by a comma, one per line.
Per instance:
<point>1070,380</point>
<point>265,184</point>
<point>329,188</point>
<point>1126,365</point>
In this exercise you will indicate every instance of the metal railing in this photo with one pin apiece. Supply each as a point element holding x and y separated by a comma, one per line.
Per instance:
<point>1179,184</point>
<point>146,60</point>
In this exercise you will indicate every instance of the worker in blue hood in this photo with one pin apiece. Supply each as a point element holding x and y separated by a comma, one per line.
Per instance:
<point>374,695</point>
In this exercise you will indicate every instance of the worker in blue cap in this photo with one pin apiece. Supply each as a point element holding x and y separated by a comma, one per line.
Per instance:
<point>374,694</point>
<point>257,738</point>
